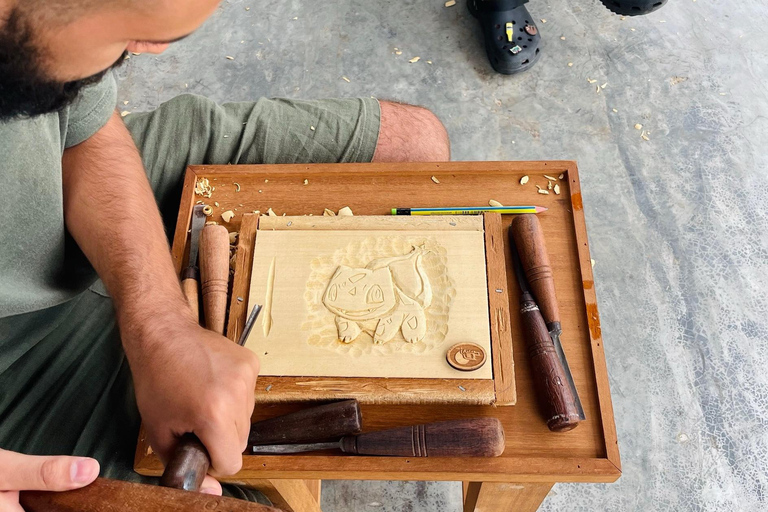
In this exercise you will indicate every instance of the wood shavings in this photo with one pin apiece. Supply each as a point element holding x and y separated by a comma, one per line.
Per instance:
<point>677,79</point>
<point>593,263</point>
<point>266,181</point>
<point>260,191</point>
<point>494,202</point>
<point>346,212</point>
<point>429,62</point>
<point>591,80</point>
<point>203,187</point>
<point>125,113</point>
<point>328,213</point>
<point>207,210</point>
<point>604,85</point>
<point>211,223</point>
<point>549,185</point>
<point>435,179</point>
<point>345,79</point>
<point>570,64</point>
<point>562,38</point>
<point>415,60</point>
<point>125,102</point>
<point>524,180</point>
<point>237,187</point>
<point>229,57</point>
<point>271,213</point>
<point>306,182</point>
<point>557,189</point>
<point>233,238</point>
<point>561,176</point>
<point>545,192</point>
<point>550,178</point>
<point>312,128</point>
<point>450,3</point>
<point>227,215</point>
<point>638,126</point>
<point>614,110</point>
<point>543,20</point>
<point>644,135</point>
<point>216,204</point>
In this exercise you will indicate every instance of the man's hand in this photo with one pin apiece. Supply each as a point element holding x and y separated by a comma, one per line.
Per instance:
<point>193,380</point>
<point>19,472</point>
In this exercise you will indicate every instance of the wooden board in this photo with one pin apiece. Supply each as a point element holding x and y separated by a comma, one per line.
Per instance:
<point>533,454</point>
<point>376,277</point>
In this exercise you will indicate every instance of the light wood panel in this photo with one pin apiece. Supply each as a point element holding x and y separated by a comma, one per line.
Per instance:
<point>533,453</point>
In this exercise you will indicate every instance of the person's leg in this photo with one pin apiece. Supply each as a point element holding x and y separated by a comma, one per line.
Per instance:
<point>410,134</point>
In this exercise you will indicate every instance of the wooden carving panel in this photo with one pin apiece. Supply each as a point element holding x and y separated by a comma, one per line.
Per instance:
<point>369,296</point>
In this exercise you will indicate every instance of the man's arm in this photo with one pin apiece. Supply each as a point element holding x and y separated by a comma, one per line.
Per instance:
<point>187,379</point>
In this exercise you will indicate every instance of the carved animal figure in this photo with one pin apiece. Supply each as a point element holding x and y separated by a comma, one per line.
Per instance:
<point>395,290</point>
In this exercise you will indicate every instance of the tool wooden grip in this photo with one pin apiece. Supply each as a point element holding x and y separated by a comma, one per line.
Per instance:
<point>479,437</point>
<point>188,465</point>
<point>313,424</point>
<point>556,400</point>
<point>112,495</point>
<point>214,275</point>
<point>532,248</point>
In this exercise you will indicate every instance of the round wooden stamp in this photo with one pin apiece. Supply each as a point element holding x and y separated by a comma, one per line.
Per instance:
<point>466,356</point>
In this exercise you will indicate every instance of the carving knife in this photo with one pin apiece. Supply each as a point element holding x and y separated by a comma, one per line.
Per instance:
<point>529,238</point>
<point>477,437</point>
<point>190,277</point>
<point>557,400</point>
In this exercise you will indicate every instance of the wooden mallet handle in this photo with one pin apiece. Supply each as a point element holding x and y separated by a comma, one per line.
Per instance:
<point>556,400</point>
<point>529,238</point>
<point>188,465</point>
<point>478,437</point>
<point>214,274</point>
<point>114,495</point>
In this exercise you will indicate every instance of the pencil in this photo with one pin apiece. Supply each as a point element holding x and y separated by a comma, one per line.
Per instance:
<point>468,210</point>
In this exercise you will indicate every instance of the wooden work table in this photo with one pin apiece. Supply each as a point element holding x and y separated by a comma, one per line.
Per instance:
<point>535,458</point>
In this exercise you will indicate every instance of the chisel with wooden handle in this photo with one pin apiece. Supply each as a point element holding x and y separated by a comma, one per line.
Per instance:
<point>190,277</point>
<point>214,275</point>
<point>557,398</point>
<point>190,461</point>
<point>105,495</point>
<point>532,249</point>
<point>477,437</point>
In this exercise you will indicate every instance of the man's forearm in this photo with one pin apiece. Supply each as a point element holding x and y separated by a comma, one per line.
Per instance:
<point>110,210</point>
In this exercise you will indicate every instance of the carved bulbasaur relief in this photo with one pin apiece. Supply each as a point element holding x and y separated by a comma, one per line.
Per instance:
<point>395,291</point>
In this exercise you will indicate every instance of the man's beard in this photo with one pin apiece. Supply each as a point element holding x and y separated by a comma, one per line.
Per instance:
<point>25,90</point>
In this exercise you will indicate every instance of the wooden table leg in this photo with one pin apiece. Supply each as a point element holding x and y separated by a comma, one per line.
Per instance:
<point>289,495</point>
<point>504,497</point>
<point>315,487</point>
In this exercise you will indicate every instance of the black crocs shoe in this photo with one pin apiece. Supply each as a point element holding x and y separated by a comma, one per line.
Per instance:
<point>633,7</point>
<point>511,37</point>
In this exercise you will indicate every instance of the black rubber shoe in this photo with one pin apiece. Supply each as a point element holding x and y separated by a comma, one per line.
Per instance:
<point>633,7</point>
<point>511,37</point>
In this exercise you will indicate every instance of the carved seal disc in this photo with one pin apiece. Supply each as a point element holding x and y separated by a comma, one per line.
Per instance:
<point>466,357</point>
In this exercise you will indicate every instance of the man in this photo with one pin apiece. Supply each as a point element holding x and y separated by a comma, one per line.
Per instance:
<point>81,190</point>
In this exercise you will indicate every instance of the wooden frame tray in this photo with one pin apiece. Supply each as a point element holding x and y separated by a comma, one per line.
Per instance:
<point>533,454</point>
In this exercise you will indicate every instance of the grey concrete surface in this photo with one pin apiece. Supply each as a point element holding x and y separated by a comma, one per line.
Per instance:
<point>678,224</point>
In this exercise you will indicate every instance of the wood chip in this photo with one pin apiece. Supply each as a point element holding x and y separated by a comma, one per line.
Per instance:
<point>545,192</point>
<point>124,113</point>
<point>615,110</point>
<point>524,180</point>
<point>345,212</point>
<point>207,210</point>
<point>271,213</point>
<point>593,263</point>
<point>549,185</point>
<point>312,128</point>
<point>561,176</point>
<point>328,213</point>
<point>644,136</point>
<point>229,57</point>
<point>591,81</point>
<point>494,202</point>
<point>414,60</point>
<point>570,64</point>
<point>203,187</point>
<point>450,3</point>
<point>345,79</point>
<point>237,187</point>
<point>306,182</point>
<point>216,204</point>
<point>233,238</point>
<point>435,179</point>
<point>638,126</point>
<point>557,189</point>
<point>550,178</point>
<point>227,215</point>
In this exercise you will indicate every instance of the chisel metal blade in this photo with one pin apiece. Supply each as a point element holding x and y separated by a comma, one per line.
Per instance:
<point>198,223</point>
<point>555,335</point>
<point>292,448</point>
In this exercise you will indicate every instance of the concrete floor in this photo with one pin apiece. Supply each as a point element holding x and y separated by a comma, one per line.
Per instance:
<point>678,224</point>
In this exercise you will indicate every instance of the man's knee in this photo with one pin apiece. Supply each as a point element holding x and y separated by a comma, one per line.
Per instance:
<point>410,134</point>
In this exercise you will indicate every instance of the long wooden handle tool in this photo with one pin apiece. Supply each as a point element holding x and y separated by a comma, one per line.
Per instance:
<point>532,249</point>
<point>478,437</point>
<point>112,495</point>
<point>556,398</point>
<point>214,273</point>
<point>190,277</point>
<point>190,461</point>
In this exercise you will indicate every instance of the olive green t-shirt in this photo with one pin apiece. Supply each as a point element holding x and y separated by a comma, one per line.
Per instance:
<point>40,265</point>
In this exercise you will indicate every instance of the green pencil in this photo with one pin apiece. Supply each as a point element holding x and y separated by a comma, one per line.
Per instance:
<point>468,210</point>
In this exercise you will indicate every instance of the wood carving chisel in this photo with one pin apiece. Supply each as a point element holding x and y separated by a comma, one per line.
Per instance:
<point>190,277</point>
<point>190,461</point>
<point>249,324</point>
<point>478,437</point>
<point>556,398</point>
<point>214,275</point>
<point>532,249</point>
